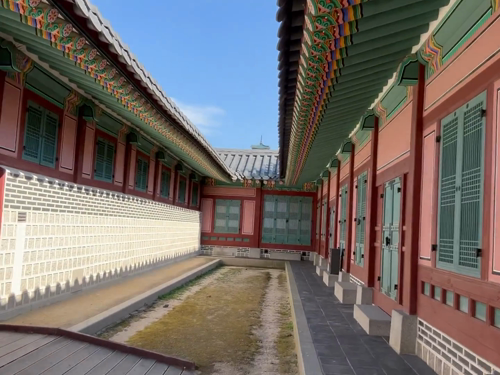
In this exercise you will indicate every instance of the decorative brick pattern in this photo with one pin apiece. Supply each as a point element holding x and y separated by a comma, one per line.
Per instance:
<point>446,356</point>
<point>54,233</point>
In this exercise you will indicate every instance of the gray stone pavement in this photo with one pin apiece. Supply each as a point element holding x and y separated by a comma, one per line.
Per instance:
<point>342,345</point>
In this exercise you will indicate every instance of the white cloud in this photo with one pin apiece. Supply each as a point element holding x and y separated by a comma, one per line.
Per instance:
<point>206,118</point>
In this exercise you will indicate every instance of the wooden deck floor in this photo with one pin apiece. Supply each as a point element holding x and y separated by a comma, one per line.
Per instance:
<point>31,353</point>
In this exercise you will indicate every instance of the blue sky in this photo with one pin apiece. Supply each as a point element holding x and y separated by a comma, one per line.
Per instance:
<point>216,58</point>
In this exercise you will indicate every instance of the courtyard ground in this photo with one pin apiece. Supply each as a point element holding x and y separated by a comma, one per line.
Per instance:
<point>88,303</point>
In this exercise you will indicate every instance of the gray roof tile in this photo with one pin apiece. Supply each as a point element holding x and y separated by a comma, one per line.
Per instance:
<point>251,164</point>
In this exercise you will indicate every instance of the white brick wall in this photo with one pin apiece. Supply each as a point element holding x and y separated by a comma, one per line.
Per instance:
<point>54,232</point>
<point>446,356</point>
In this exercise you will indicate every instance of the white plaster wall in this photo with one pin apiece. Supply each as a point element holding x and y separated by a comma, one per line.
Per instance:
<point>54,232</point>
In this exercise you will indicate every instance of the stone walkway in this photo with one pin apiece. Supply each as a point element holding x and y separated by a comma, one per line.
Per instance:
<point>89,303</point>
<point>342,346</point>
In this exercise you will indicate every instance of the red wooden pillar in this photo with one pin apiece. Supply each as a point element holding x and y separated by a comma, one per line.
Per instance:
<point>337,213</point>
<point>372,209</point>
<point>320,218</point>
<point>413,197</point>
<point>84,151</point>
<point>157,179</point>
<point>130,168</point>
<point>327,226</point>
<point>175,183</point>
<point>189,184</point>
<point>258,212</point>
<point>350,191</point>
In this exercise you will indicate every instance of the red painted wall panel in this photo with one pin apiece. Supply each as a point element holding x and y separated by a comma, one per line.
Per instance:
<point>88,151</point>
<point>120,163</point>
<point>229,191</point>
<point>394,139</point>
<point>68,143</point>
<point>132,164</point>
<point>151,176</point>
<point>10,119</point>
<point>247,225</point>
<point>427,205</point>
<point>362,154</point>
<point>207,206</point>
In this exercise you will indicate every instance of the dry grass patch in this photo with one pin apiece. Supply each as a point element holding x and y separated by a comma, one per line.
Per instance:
<point>285,342</point>
<point>213,325</point>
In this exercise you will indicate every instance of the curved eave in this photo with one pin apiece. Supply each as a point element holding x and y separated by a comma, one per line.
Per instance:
<point>87,19</point>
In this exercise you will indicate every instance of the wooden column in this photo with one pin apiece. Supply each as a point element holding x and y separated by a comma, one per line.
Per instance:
<point>157,179</point>
<point>85,151</point>
<point>327,225</point>
<point>413,197</point>
<point>175,172</point>
<point>130,168</point>
<point>350,191</point>
<point>372,201</point>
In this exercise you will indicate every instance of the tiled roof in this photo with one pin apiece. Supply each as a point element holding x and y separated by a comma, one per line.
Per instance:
<point>97,22</point>
<point>251,164</point>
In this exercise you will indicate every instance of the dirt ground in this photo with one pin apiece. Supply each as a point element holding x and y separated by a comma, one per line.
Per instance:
<point>234,321</point>
<point>87,304</point>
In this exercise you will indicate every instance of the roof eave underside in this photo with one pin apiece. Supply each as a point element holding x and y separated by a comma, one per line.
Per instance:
<point>386,32</point>
<point>87,19</point>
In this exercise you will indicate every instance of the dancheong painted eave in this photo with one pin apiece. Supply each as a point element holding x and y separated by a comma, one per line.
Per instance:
<point>336,57</point>
<point>72,39</point>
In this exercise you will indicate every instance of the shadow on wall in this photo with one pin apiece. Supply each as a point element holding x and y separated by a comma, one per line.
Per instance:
<point>12,304</point>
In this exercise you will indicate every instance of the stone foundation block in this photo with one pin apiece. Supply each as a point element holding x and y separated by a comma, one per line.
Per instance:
<point>323,262</point>
<point>364,295</point>
<point>329,279</point>
<point>285,256</point>
<point>344,277</point>
<point>316,259</point>
<point>403,334</point>
<point>345,292</point>
<point>373,320</point>
<point>320,270</point>
<point>254,253</point>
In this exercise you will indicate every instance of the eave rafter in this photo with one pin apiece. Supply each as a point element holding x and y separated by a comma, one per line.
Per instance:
<point>329,25</point>
<point>61,34</point>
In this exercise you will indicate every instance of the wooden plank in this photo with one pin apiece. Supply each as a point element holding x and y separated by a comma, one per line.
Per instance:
<point>19,344</point>
<point>52,359</point>
<point>28,360</point>
<point>108,364</point>
<point>158,369</point>
<point>74,359</point>
<point>91,362</point>
<point>142,367</point>
<point>12,356</point>
<point>8,337</point>
<point>174,371</point>
<point>125,365</point>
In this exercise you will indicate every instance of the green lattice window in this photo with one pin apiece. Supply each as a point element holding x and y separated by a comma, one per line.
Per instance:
<point>332,227</point>
<point>182,190</point>
<point>165,184</point>
<point>194,195</point>
<point>104,160</point>
<point>142,174</point>
<point>287,220</point>
<point>40,136</point>
<point>461,188</point>
<point>343,217</point>
<point>227,216</point>
<point>361,188</point>
<point>390,238</point>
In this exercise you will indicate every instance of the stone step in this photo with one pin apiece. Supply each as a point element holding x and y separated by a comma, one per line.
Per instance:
<point>345,292</point>
<point>330,279</point>
<point>373,320</point>
<point>320,270</point>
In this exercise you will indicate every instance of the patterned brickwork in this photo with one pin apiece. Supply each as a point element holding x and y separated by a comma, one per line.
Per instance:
<point>446,356</point>
<point>54,233</point>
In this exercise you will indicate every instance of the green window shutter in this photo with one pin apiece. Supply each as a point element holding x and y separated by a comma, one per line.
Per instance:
<point>306,220</point>
<point>394,246</point>
<point>233,216</point>
<point>165,184</point>
<point>361,217</point>
<point>332,227</point>
<point>447,190</point>
<point>220,216</point>
<point>142,174</point>
<point>100,159</point>
<point>471,186</point>
<point>268,222</point>
<point>194,197</point>
<point>461,188</point>
<point>49,139</point>
<point>109,162</point>
<point>343,217</point>
<point>281,218</point>
<point>182,191</point>
<point>33,133</point>
<point>385,279</point>
<point>294,207</point>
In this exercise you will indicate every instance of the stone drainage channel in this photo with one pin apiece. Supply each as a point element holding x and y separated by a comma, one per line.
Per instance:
<point>229,321</point>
